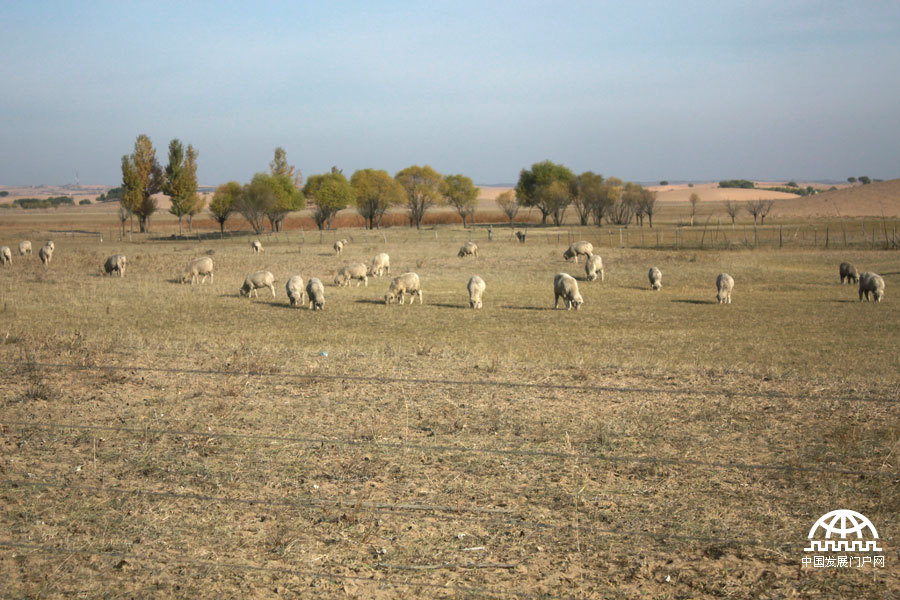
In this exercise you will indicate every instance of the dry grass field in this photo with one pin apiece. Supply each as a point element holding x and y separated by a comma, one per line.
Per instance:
<point>168,440</point>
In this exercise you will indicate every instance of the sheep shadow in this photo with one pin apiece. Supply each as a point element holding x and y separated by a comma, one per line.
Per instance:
<point>833,300</point>
<point>369,301</point>
<point>529,307</point>
<point>695,301</point>
<point>443,305</point>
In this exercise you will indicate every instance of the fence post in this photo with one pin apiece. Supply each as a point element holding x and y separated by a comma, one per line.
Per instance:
<point>826,237</point>
<point>780,238</point>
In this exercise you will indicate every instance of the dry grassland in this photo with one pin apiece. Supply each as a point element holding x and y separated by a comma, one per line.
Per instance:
<point>170,440</point>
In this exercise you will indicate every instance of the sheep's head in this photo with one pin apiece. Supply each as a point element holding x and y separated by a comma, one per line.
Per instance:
<point>569,254</point>
<point>245,289</point>
<point>390,297</point>
<point>577,301</point>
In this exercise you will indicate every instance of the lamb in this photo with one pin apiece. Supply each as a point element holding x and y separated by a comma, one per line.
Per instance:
<point>521,236</point>
<point>655,276</point>
<point>295,292</point>
<point>585,248</point>
<point>408,283</point>
<point>315,291</point>
<point>5,255</point>
<point>592,266</point>
<point>871,282</point>
<point>46,252</point>
<point>254,281</point>
<point>352,271</point>
<point>256,246</point>
<point>468,249</point>
<point>116,263</point>
<point>381,264</point>
<point>24,247</point>
<point>565,287</point>
<point>849,272</point>
<point>724,285</point>
<point>339,246</point>
<point>197,267</point>
<point>476,289</point>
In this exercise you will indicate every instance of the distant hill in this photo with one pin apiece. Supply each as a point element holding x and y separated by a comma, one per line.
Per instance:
<point>872,200</point>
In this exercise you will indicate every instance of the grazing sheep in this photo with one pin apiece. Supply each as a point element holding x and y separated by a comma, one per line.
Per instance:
<point>849,272</point>
<point>254,281</point>
<point>655,278</point>
<point>871,282</point>
<point>592,266</point>
<point>5,255</point>
<point>352,271</point>
<point>381,264</point>
<point>46,252</point>
<point>521,236</point>
<point>724,285</point>
<point>295,292</point>
<point>115,263</point>
<point>408,283</point>
<point>315,291</point>
<point>197,267</point>
<point>339,246</point>
<point>468,249</point>
<point>476,289</point>
<point>256,246</point>
<point>565,287</point>
<point>24,247</point>
<point>585,248</point>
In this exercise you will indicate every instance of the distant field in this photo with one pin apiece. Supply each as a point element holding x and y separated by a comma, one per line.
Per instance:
<point>160,439</point>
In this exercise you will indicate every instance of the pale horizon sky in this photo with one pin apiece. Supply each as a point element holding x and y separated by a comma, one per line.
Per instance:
<point>644,91</point>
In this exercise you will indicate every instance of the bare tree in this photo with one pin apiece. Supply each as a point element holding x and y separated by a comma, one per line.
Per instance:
<point>509,205</point>
<point>647,205</point>
<point>732,209</point>
<point>694,200</point>
<point>755,208</point>
<point>766,207</point>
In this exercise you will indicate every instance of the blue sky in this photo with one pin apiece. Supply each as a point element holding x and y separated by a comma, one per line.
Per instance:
<point>640,90</point>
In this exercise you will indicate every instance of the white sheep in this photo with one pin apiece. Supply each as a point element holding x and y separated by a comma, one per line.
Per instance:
<point>315,291</point>
<point>115,263</point>
<point>565,287</point>
<point>408,283</point>
<point>24,247</point>
<point>339,245</point>
<point>198,267</point>
<point>381,265</point>
<point>592,266</point>
<point>256,246</point>
<point>5,255</point>
<point>724,285</point>
<point>871,282</point>
<point>655,276</point>
<point>46,252</point>
<point>257,280</point>
<point>295,291</point>
<point>349,272</point>
<point>468,249</point>
<point>585,248</point>
<point>476,289</point>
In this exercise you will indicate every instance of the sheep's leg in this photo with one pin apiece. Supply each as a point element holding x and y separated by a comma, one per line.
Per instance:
<point>556,301</point>
<point>420,297</point>
<point>272,287</point>
<point>601,275</point>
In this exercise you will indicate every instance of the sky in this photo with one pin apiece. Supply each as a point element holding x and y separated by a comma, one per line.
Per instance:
<point>641,90</point>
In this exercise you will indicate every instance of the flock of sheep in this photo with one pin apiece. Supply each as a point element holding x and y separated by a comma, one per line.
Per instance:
<point>565,286</point>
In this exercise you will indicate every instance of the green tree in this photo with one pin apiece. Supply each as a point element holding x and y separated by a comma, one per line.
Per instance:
<point>556,197</point>
<point>285,182</point>
<point>508,204</point>
<point>460,193</point>
<point>141,177</point>
<point>589,190</point>
<point>181,182</point>
<point>851,179</point>
<point>376,191</point>
<point>423,187</point>
<point>256,200</point>
<point>223,202</point>
<point>865,179</point>
<point>532,183</point>
<point>280,166</point>
<point>331,192</point>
